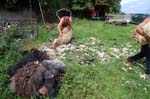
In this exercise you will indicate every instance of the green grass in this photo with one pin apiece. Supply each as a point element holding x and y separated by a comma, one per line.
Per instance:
<point>95,81</point>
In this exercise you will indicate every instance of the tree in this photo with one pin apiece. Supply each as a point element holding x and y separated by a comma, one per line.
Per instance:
<point>114,5</point>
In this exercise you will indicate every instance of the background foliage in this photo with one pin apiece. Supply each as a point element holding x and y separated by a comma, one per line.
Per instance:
<point>114,5</point>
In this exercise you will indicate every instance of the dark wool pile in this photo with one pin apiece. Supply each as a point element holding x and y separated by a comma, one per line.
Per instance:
<point>23,80</point>
<point>33,55</point>
<point>28,79</point>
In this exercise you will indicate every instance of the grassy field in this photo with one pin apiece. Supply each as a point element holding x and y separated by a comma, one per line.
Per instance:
<point>108,78</point>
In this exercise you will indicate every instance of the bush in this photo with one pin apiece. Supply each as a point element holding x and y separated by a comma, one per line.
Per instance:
<point>10,41</point>
<point>9,53</point>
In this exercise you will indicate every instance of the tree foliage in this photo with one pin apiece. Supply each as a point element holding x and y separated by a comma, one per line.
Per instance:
<point>114,5</point>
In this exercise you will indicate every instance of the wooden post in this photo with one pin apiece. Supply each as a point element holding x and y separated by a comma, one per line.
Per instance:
<point>41,12</point>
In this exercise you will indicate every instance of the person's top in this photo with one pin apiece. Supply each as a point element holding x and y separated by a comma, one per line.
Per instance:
<point>142,27</point>
<point>146,28</point>
<point>142,31</point>
<point>65,21</point>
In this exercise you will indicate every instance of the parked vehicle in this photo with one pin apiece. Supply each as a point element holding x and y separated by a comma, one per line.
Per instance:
<point>123,20</point>
<point>138,18</point>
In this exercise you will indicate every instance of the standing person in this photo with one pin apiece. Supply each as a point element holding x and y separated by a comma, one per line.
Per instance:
<point>65,31</point>
<point>142,35</point>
